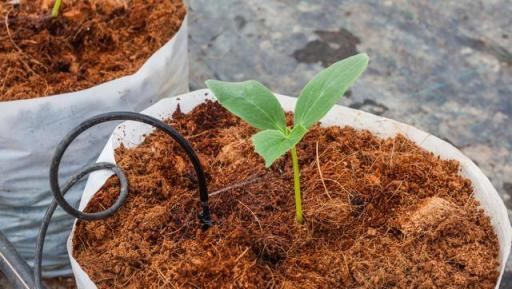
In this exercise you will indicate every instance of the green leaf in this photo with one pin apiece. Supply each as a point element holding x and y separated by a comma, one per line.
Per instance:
<point>326,89</point>
<point>251,101</point>
<point>271,144</point>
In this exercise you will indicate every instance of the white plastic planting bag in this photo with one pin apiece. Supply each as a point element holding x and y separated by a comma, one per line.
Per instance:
<point>131,134</point>
<point>31,129</point>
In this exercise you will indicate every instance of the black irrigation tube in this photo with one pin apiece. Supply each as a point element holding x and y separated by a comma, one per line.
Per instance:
<point>58,193</point>
<point>14,267</point>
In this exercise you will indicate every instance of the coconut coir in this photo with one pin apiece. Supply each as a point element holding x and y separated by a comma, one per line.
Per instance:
<point>380,213</point>
<point>90,42</point>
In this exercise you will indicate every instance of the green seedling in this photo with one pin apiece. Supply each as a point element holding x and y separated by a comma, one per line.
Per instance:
<point>56,8</point>
<point>258,106</point>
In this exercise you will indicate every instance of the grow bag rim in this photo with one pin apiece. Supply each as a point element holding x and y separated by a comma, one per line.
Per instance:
<point>332,118</point>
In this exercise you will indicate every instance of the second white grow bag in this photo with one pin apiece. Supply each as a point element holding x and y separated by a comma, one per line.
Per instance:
<point>31,129</point>
<point>132,133</point>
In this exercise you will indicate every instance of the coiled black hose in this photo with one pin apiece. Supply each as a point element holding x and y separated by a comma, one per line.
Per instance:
<point>58,193</point>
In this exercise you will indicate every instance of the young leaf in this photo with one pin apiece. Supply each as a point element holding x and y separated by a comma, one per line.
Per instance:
<point>271,144</point>
<point>326,88</point>
<point>251,101</point>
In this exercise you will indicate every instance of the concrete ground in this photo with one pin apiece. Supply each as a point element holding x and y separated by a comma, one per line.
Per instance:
<point>443,66</point>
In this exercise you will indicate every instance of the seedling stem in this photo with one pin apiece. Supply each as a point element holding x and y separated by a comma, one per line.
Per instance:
<point>56,7</point>
<point>296,182</point>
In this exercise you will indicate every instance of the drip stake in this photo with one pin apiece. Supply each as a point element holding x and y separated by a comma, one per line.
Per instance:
<point>58,193</point>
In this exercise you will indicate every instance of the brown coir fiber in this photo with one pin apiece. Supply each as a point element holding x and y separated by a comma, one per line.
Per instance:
<point>370,215</point>
<point>90,42</point>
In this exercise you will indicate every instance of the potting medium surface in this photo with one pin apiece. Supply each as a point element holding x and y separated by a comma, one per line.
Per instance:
<point>89,43</point>
<point>379,212</point>
<point>442,66</point>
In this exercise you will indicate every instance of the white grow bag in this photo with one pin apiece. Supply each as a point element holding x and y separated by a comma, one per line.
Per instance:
<point>131,134</point>
<point>31,129</point>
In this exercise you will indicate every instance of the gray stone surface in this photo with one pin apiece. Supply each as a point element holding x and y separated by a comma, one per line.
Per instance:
<point>443,66</point>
